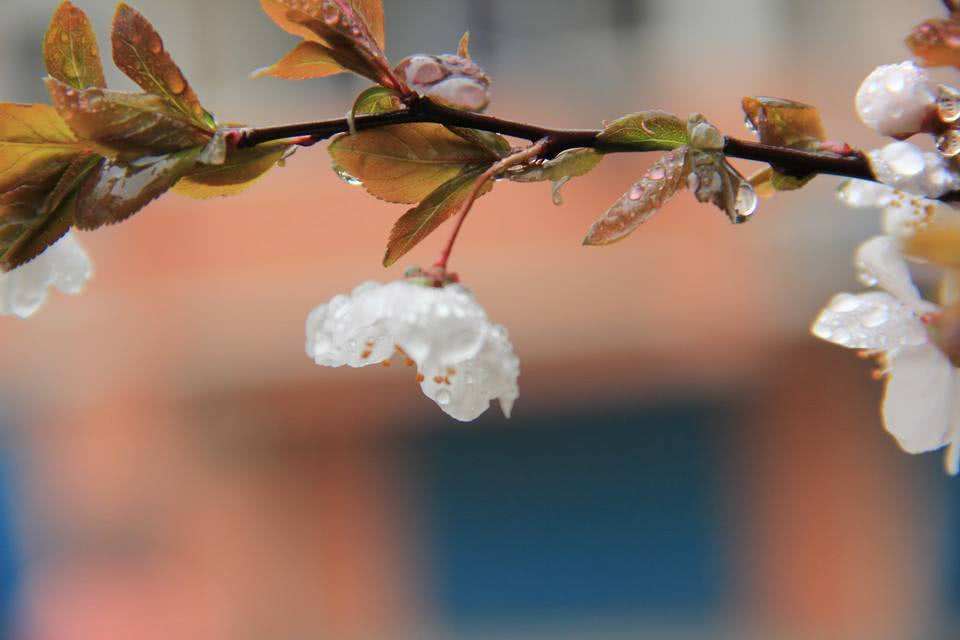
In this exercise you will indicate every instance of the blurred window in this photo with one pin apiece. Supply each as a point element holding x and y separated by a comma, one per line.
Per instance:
<point>602,513</point>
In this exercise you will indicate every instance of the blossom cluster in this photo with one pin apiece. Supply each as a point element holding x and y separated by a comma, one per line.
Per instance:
<point>893,322</point>
<point>463,361</point>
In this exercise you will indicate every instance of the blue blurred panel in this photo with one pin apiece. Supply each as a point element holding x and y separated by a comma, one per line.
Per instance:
<point>604,513</point>
<point>9,557</point>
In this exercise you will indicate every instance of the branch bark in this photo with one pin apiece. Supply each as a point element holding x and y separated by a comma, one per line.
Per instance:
<point>785,159</point>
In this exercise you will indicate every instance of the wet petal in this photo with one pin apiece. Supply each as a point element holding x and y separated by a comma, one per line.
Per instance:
<point>918,405</point>
<point>874,321</point>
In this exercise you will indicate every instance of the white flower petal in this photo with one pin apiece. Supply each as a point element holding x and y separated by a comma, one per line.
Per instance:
<point>907,168</point>
<point>918,407</point>
<point>881,263</point>
<point>465,362</point>
<point>895,99</point>
<point>65,265</point>
<point>903,218</point>
<point>864,194</point>
<point>874,321</point>
<point>465,391</point>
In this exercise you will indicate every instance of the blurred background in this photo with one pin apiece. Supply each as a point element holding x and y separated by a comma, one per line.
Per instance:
<point>685,460</point>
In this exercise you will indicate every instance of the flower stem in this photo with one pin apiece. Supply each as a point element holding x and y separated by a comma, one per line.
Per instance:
<point>514,159</point>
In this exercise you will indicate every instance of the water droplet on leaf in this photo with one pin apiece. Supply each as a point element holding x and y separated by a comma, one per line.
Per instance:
<point>346,177</point>
<point>175,81</point>
<point>747,200</point>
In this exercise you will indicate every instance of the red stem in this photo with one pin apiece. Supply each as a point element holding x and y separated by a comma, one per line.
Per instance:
<point>512,160</point>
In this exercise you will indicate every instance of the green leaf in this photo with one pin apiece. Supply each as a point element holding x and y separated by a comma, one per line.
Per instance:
<point>70,49</point>
<point>406,163</point>
<point>492,142</point>
<point>139,52</point>
<point>420,222</point>
<point>645,131</point>
<point>308,60</point>
<point>572,163</point>
<point>377,100</point>
<point>659,184</point>
<point>117,190</point>
<point>242,168</point>
<point>45,222</point>
<point>125,121</point>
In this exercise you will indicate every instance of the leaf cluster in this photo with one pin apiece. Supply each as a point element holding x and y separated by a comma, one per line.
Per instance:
<point>97,156</point>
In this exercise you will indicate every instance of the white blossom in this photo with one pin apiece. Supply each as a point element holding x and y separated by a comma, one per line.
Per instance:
<point>463,360</point>
<point>921,406</point>
<point>905,167</point>
<point>903,214</point>
<point>896,99</point>
<point>65,265</point>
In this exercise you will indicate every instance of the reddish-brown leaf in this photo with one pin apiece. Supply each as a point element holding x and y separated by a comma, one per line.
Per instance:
<point>70,49</point>
<point>125,121</point>
<point>936,43</point>
<point>420,222</point>
<point>35,143</point>
<point>340,27</point>
<point>242,168</point>
<point>46,220</point>
<point>308,60</point>
<point>115,190</point>
<point>139,52</point>
<point>660,183</point>
<point>406,163</point>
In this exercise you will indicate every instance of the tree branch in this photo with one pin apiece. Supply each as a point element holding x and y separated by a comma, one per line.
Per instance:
<point>790,161</point>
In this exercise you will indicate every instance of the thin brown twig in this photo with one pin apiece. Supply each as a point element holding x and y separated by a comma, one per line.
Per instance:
<point>514,159</point>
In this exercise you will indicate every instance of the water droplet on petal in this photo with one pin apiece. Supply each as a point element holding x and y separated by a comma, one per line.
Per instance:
<point>876,318</point>
<point>845,304</point>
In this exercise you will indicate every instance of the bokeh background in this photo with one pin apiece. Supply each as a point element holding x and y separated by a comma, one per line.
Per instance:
<point>685,460</point>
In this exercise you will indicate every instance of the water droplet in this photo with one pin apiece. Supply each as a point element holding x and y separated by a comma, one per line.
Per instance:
<point>346,177</point>
<point>636,193</point>
<point>331,13</point>
<point>875,318</point>
<point>866,278</point>
<point>557,186</point>
<point>156,44</point>
<point>175,81</point>
<point>656,173</point>
<point>846,304</point>
<point>444,397</point>
<point>747,200</point>
<point>841,337</point>
<point>903,159</point>
<point>748,123</point>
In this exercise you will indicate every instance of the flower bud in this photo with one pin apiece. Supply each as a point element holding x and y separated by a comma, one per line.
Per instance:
<point>448,80</point>
<point>896,100</point>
